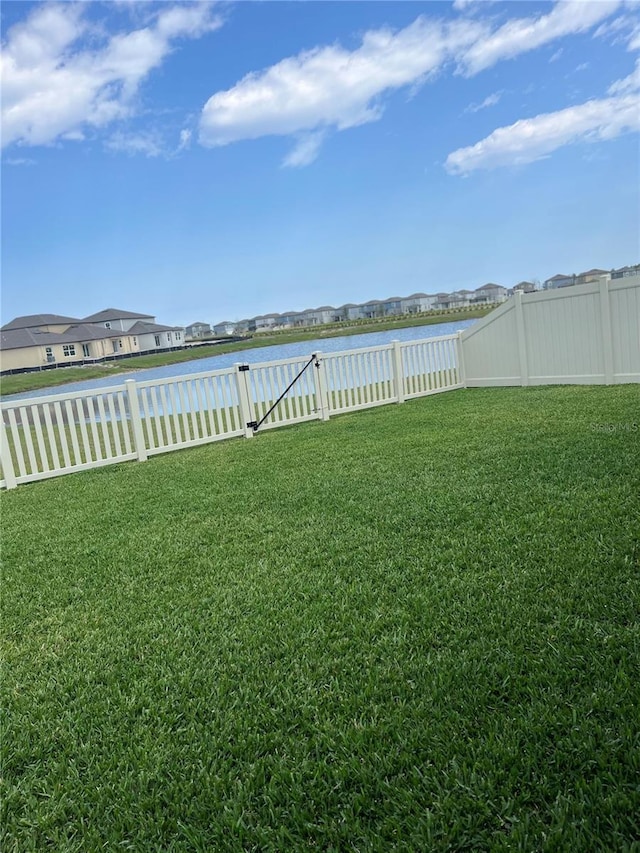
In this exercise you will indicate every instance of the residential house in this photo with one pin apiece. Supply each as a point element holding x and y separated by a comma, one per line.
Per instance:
<point>489,294</point>
<point>524,287</point>
<point>462,297</point>
<point>154,336</point>
<point>626,272</point>
<point>590,275</point>
<point>198,330</point>
<point>264,322</point>
<point>48,340</point>
<point>224,328</point>
<point>417,303</point>
<point>559,280</point>
<point>115,318</point>
<point>349,311</point>
<point>392,306</point>
<point>442,301</point>
<point>371,309</point>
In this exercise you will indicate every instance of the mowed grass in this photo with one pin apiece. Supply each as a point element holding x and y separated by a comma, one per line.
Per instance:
<point>411,628</point>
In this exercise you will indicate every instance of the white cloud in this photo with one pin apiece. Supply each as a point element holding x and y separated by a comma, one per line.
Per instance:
<point>489,101</point>
<point>532,139</point>
<point>20,161</point>
<point>185,139</point>
<point>523,34</point>
<point>135,143</point>
<point>627,84</point>
<point>624,28</point>
<point>306,149</point>
<point>53,85</point>
<point>330,87</point>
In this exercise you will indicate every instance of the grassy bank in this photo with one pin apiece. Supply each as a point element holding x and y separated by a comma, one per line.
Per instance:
<point>410,628</point>
<point>50,378</point>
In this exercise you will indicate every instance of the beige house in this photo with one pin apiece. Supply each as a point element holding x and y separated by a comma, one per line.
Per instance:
<point>39,341</point>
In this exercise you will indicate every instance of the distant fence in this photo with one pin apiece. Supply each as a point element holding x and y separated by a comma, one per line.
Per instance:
<point>48,436</point>
<point>585,334</point>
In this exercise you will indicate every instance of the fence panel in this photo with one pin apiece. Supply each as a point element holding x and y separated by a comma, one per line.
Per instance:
<point>430,366</point>
<point>189,410</point>
<point>359,379</point>
<point>268,380</point>
<point>56,434</point>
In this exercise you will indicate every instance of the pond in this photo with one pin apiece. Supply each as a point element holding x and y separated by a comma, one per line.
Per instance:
<point>255,356</point>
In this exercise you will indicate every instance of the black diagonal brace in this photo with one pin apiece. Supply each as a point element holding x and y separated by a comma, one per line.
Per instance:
<point>256,426</point>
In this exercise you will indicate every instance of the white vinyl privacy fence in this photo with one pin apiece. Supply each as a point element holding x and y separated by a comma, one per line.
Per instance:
<point>585,334</point>
<point>57,434</point>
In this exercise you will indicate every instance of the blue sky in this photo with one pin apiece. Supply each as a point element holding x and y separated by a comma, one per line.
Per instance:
<point>204,161</point>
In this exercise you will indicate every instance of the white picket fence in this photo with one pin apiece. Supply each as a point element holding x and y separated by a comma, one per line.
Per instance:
<point>61,433</point>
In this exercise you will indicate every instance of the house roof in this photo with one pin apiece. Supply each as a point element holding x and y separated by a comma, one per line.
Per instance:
<point>415,296</point>
<point>197,323</point>
<point>114,314</point>
<point>141,328</point>
<point>76,334</point>
<point>33,321</point>
<point>594,272</point>
<point>490,286</point>
<point>558,277</point>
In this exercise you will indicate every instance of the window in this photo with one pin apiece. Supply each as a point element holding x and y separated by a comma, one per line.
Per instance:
<point>107,325</point>
<point>120,344</point>
<point>177,336</point>
<point>169,337</point>
<point>86,352</point>
<point>135,341</point>
<point>114,344</point>
<point>157,340</point>
<point>49,354</point>
<point>68,350</point>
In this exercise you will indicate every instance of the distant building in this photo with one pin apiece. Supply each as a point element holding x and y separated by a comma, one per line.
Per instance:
<point>489,294</point>
<point>626,272</point>
<point>198,330</point>
<point>417,303</point>
<point>590,275</point>
<point>50,340</point>
<point>224,328</point>
<point>524,287</point>
<point>559,280</point>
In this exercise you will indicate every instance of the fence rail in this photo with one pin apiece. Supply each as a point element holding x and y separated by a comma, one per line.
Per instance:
<point>61,433</point>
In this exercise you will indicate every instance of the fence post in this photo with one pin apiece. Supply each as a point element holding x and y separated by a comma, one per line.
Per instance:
<point>522,340</point>
<point>462,371</point>
<point>605,328</point>
<point>246,410</point>
<point>322,395</point>
<point>398,373</point>
<point>8,472</point>
<point>136,420</point>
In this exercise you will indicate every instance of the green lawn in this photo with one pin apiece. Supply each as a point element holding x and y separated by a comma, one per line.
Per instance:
<point>411,628</point>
